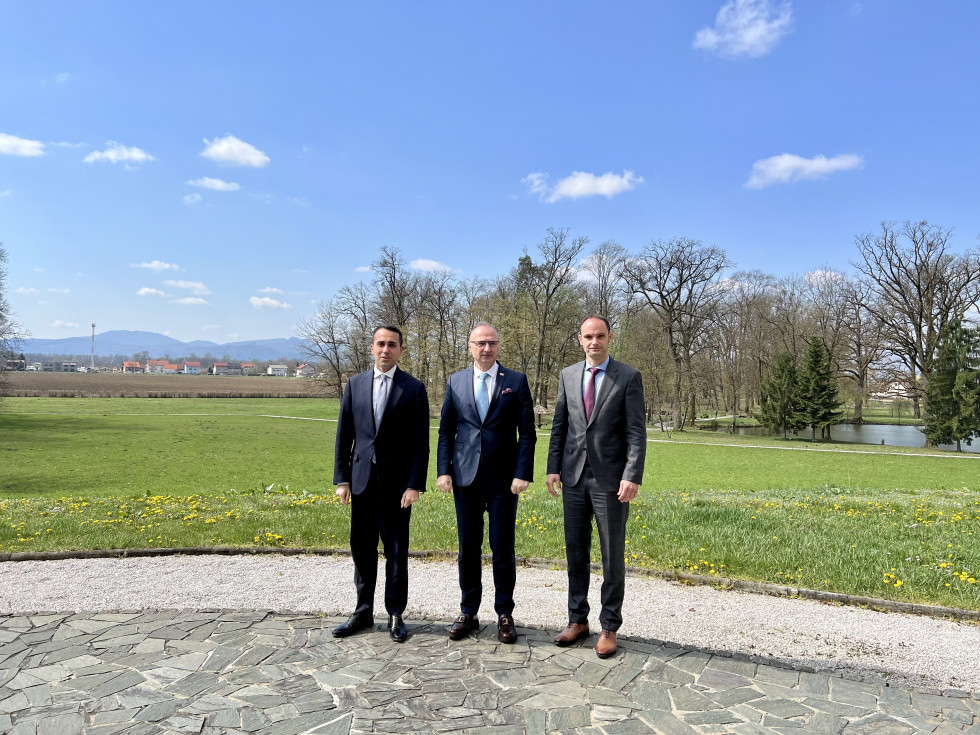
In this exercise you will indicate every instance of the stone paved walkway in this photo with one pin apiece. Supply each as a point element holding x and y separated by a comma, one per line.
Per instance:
<point>219,672</point>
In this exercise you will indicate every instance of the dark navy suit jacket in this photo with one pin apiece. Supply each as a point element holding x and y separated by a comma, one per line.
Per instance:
<point>502,445</point>
<point>400,446</point>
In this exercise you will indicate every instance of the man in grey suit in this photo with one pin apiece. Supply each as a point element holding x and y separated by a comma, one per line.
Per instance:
<point>596,456</point>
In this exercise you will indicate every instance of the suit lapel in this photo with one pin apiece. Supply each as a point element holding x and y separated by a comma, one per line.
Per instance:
<point>573,391</point>
<point>608,381</point>
<point>365,394</point>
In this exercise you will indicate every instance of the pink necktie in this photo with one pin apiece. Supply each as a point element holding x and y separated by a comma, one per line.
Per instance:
<point>590,394</point>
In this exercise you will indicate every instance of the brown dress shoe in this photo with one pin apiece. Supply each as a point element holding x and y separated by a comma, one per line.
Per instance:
<point>573,632</point>
<point>462,627</point>
<point>606,645</point>
<point>506,632</point>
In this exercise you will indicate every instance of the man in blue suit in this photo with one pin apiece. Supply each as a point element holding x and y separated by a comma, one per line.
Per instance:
<point>380,466</point>
<point>486,457</point>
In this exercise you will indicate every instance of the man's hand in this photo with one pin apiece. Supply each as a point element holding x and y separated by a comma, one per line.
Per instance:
<point>343,492</point>
<point>554,484</point>
<point>627,491</point>
<point>409,496</point>
<point>518,486</point>
<point>445,483</point>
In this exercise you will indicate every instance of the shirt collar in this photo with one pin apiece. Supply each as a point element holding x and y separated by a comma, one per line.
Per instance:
<point>492,370</point>
<point>603,366</point>
<point>390,373</point>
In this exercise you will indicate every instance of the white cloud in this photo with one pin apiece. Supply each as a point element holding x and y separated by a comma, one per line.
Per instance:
<point>787,167</point>
<point>11,145</point>
<point>62,78</point>
<point>216,184</point>
<point>265,302</point>
<point>821,277</point>
<point>745,28</point>
<point>270,289</point>
<point>230,151</point>
<point>156,265</point>
<point>363,269</point>
<point>581,184</point>
<point>425,264</point>
<point>58,323</point>
<point>25,290</point>
<point>195,287</point>
<point>6,192</point>
<point>118,153</point>
<point>147,291</point>
<point>191,199</point>
<point>191,300</point>
<point>66,144</point>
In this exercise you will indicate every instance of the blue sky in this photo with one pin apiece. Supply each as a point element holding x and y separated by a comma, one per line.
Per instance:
<point>212,170</point>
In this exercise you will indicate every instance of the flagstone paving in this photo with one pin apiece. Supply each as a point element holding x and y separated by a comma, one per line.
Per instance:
<point>218,672</point>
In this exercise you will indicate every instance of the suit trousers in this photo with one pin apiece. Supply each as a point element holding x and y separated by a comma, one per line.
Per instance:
<point>500,506</point>
<point>581,503</point>
<point>377,513</point>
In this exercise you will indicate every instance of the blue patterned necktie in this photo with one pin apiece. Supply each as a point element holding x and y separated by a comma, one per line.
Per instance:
<point>482,396</point>
<point>380,399</point>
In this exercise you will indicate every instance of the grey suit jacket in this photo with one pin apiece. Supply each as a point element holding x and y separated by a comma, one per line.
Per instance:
<point>615,439</point>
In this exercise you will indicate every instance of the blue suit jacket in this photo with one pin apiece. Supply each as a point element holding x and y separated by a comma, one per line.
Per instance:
<point>400,446</point>
<point>502,445</point>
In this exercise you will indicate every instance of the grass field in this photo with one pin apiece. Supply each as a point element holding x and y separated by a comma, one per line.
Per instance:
<point>125,473</point>
<point>139,385</point>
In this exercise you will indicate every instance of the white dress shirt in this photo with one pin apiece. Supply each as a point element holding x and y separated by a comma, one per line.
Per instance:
<point>491,380</point>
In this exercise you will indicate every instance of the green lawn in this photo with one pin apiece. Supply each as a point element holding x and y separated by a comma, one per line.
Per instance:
<point>125,473</point>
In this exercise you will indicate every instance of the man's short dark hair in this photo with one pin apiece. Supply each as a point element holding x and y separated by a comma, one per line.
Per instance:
<point>390,328</point>
<point>596,316</point>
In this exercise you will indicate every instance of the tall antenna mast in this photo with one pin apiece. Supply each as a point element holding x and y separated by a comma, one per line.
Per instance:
<point>92,364</point>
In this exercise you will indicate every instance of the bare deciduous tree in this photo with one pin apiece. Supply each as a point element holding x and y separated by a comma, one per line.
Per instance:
<point>11,331</point>
<point>918,286</point>
<point>547,284</point>
<point>679,281</point>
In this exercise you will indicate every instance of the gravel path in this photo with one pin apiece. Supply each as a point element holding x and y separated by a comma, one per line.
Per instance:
<point>904,649</point>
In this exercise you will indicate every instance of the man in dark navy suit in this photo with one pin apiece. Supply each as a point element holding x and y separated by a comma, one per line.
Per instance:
<point>380,467</point>
<point>486,457</point>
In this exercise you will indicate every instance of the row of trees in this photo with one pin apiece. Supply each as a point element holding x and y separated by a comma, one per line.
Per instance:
<point>808,397</point>
<point>705,334</point>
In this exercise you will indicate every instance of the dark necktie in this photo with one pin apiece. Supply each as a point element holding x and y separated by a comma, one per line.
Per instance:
<point>590,394</point>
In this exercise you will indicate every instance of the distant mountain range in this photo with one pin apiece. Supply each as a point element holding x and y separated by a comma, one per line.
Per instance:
<point>128,343</point>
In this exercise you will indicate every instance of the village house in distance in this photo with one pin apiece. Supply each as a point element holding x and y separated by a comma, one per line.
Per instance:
<point>165,367</point>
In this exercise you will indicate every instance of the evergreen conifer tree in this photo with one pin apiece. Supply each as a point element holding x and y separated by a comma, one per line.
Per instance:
<point>780,411</point>
<point>818,397</point>
<point>953,391</point>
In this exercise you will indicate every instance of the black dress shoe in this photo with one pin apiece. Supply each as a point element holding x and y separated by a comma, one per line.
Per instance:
<point>397,629</point>
<point>462,627</point>
<point>506,632</point>
<point>355,623</point>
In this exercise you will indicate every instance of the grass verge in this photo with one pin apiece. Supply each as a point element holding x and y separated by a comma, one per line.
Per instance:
<point>896,525</point>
